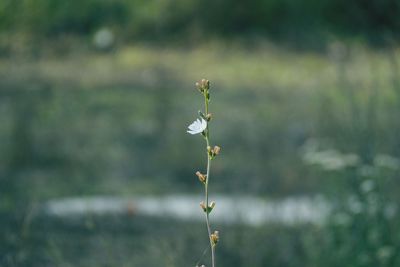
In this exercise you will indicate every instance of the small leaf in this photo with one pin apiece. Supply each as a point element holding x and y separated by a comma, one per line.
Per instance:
<point>201,114</point>
<point>208,95</point>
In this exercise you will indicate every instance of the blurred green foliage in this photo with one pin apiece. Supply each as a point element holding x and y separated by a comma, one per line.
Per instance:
<point>114,124</point>
<point>374,20</point>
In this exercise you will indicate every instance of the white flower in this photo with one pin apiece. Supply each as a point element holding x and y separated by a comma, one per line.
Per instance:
<point>197,126</point>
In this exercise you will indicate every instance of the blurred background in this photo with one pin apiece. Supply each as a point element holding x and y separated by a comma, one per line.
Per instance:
<point>96,168</point>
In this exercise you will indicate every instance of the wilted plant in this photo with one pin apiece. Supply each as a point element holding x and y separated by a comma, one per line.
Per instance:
<point>201,126</point>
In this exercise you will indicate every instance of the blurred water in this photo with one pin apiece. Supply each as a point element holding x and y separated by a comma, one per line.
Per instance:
<point>231,210</point>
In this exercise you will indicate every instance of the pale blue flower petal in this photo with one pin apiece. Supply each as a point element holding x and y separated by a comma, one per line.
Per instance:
<point>197,126</point>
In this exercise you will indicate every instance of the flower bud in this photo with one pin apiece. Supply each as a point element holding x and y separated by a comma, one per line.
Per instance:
<point>214,238</point>
<point>212,204</point>
<point>212,152</point>
<point>203,85</point>
<point>209,208</point>
<point>199,87</point>
<point>208,117</point>
<point>203,206</point>
<point>202,177</point>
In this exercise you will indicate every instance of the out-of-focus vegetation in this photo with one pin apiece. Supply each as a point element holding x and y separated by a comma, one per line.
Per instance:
<point>115,126</point>
<point>297,23</point>
<point>95,98</point>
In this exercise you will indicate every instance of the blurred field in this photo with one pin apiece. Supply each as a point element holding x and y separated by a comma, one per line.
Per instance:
<point>111,114</point>
<point>113,123</point>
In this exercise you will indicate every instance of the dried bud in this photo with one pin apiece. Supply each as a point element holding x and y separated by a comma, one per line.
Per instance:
<point>203,206</point>
<point>212,152</point>
<point>212,205</point>
<point>199,87</point>
<point>214,238</point>
<point>202,177</point>
<point>208,117</point>
<point>209,208</point>
<point>216,150</point>
<point>203,85</point>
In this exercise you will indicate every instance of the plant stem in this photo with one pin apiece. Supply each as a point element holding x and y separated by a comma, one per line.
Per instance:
<point>206,187</point>
<point>207,212</point>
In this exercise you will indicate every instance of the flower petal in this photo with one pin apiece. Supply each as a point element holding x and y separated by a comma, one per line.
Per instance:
<point>197,126</point>
<point>203,124</point>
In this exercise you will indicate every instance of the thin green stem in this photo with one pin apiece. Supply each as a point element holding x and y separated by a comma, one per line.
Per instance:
<point>207,137</point>
<point>207,212</point>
